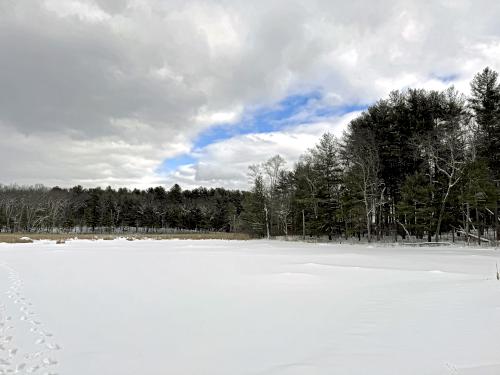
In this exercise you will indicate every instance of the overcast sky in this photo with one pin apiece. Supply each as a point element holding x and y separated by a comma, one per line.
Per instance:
<point>146,92</point>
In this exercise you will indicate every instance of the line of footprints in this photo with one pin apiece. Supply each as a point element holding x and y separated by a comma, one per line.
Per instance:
<point>17,315</point>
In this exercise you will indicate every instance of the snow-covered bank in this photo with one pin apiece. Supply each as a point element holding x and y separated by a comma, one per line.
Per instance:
<point>254,307</point>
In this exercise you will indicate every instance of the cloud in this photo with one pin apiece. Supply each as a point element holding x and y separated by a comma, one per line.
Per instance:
<point>209,165</point>
<point>104,91</point>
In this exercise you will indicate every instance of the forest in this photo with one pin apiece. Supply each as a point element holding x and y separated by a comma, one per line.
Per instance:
<point>416,165</point>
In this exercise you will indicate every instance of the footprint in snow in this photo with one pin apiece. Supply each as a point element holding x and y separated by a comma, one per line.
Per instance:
<point>19,309</point>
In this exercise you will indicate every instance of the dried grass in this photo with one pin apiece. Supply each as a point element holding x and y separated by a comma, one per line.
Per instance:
<point>60,238</point>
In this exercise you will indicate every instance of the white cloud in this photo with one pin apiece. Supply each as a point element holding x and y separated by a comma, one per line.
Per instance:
<point>102,91</point>
<point>207,117</point>
<point>86,11</point>
<point>226,162</point>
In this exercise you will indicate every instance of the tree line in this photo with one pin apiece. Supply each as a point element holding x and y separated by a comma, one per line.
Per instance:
<point>40,209</point>
<point>414,165</point>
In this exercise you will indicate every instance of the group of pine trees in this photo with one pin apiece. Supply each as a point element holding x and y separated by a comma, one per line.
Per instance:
<point>415,165</point>
<point>28,209</point>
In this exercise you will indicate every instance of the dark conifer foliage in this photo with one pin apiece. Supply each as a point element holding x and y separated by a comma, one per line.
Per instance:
<point>107,210</point>
<point>485,105</point>
<point>416,165</point>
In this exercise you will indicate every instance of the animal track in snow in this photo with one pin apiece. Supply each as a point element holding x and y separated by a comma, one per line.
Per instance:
<point>25,347</point>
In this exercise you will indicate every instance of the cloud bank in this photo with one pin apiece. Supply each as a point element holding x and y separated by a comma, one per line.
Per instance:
<point>107,92</point>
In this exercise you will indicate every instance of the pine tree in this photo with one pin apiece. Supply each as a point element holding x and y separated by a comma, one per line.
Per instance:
<point>417,208</point>
<point>255,209</point>
<point>328,181</point>
<point>485,103</point>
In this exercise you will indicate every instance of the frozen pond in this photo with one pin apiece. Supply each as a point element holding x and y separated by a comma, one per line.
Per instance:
<point>256,307</point>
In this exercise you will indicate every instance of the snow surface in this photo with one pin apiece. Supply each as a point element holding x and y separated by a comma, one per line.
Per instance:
<point>255,307</point>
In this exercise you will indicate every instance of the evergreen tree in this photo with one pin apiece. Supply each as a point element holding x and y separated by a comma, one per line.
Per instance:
<point>255,209</point>
<point>485,104</point>
<point>417,207</point>
<point>328,182</point>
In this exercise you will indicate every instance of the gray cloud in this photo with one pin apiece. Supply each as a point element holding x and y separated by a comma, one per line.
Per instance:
<point>101,92</point>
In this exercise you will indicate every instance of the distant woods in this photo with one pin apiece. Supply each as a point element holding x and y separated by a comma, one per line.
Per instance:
<point>155,210</point>
<point>415,165</point>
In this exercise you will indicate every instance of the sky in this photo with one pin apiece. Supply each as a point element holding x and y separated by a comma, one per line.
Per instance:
<point>141,93</point>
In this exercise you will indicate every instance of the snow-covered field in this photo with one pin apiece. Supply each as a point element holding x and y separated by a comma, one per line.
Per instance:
<point>256,307</point>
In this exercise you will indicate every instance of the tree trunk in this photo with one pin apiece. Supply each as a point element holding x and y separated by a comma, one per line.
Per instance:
<point>478,225</point>
<point>368,226</point>
<point>467,219</point>
<point>303,225</point>
<point>441,213</point>
<point>496,222</point>
<point>267,223</point>
<point>368,215</point>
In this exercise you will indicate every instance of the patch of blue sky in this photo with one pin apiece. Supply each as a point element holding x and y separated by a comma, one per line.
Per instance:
<point>293,110</point>
<point>340,110</point>
<point>446,78</point>
<point>172,164</point>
